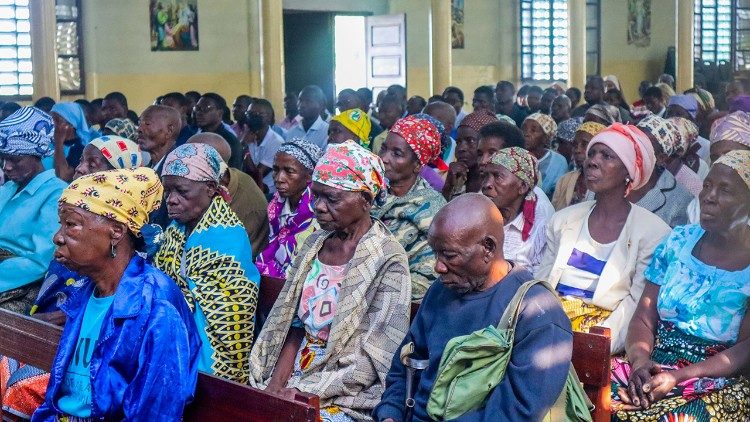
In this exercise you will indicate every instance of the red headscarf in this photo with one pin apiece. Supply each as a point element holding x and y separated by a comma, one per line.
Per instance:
<point>478,119</point>
<point>421,135</point>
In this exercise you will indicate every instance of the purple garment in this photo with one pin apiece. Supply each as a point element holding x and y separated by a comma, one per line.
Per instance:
<point>688,102</point>
<point>432,177</point>
<point>740,103</point>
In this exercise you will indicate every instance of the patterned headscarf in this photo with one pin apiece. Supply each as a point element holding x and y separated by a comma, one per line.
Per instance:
<point>304,151</point>
<point>127,196</point>
<point>28,131</point>
<point>196,162</point>
<point>705,99</point>
<point>739,161</point>
<point>732,127</point>
<point>73,114</point>
<point>124,128</point>
<point>688,102</point>
<point>592,128</point>
<point>350,167</point>
<point>740,103</point>
<point>549,127</point>
<point>478,119</point>
<point>421,135</point>
<point>634,149</point>
<point>122,153</point>
<point>524,166</point>
<point>567,129</point>
<point>688,133</point>
<point>606,112</point>
<point>358,122</point>
<point>665,132</point>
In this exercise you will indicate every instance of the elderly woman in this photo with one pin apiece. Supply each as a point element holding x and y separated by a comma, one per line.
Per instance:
<point>683,174</point>
<point>463,174</point>
<point>729,133</point>
<point>290,212</point>
<point>571,188</point>
<point>597,250</point>
<point>688,341</point>
<point>349,125</point>
<point>605,114</point>
<point>538,131</point>
<point>129,348</point>
<point>345,307</point>
<point>72,134</point>
<point>412,143</point>
<point>207,252</point>
<point>661,194</point>
<point>28,206</point>
<point>564,141</point>
<point>509,180</point>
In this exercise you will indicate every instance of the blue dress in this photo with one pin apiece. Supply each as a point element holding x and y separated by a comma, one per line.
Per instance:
<point>700,299</point>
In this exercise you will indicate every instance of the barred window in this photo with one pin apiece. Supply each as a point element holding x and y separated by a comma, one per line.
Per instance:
<point>544,40</point>
<point>713,31</point>
<point>69,47</point>
<point>16,77</point>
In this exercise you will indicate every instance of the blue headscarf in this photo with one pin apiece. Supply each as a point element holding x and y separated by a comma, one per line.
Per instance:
<point>28,131</point>
<point>73,113</point>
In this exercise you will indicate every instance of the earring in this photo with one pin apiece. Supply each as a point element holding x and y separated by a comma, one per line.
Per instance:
<point>113,251</point>
<point>627,180</point>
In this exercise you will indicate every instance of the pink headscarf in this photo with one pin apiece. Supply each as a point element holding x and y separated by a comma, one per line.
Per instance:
<point>634,149</point>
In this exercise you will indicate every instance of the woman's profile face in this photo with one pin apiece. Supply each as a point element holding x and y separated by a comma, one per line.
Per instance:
<point>187,200</point>
<point>337,209</point>
<point>84,239</point>
<point>92,161</point>
<point>399,160</point>
<point>724,200</point>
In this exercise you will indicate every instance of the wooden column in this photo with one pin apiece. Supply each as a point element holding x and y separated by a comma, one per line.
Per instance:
<point>577,43</point>
<point>272,58</point>
<point>684,49</point>
<point>43,53</point>
<point>442,62</point>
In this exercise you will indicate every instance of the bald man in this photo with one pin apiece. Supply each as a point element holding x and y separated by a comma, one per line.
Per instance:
<point>474,287</point>
<point>157,133</point>
<point>248,201</point>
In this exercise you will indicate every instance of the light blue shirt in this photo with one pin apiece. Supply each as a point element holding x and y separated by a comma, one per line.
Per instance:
<point>317,134</point>
<point>75,391</point>
<point>552,166</point>
<point>28,222</point>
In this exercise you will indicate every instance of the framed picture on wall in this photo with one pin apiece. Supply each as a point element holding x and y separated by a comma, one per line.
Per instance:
<point>174,25</point>
<point>457,24</point>
<point>639,22</point>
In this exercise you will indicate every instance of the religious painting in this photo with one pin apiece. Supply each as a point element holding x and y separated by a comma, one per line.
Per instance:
<point>639,22</point>
<point>457,23</point>
<point>174,25</point>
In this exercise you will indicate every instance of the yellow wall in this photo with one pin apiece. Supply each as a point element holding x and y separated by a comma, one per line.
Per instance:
<point>119,57</point>
<point>629,63</point>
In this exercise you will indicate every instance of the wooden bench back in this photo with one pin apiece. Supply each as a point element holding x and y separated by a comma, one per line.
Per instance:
<point>35,342</point>
<point>591,356</point>
<point>270,287</point>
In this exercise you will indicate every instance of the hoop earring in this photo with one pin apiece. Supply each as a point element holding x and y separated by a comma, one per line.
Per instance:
<point>113,251</point>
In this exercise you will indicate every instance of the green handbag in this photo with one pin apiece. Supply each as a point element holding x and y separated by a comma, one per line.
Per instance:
<point>474,364</point>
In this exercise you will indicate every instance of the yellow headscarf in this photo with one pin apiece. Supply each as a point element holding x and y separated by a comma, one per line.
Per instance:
<point>358,122</point>
<point>127,196</point>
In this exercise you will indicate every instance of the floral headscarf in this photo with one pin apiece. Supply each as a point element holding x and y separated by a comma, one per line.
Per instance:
<point>350,167</point>
<point>546,122</point>
<point>688,133</point>
<point>127,196</point>
<point>421,135</point>
<point>665,132</point>
<point>733,127</point>
<point>739,161</point>
<point>524,166</point>
<point>199,163</point>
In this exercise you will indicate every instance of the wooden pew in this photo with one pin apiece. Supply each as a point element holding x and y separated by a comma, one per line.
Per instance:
<point>591,355</point>
<point>35,342</point>
<point>270,287</point>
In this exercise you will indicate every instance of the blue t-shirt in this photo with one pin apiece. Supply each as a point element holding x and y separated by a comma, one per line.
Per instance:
<point>75,392</point>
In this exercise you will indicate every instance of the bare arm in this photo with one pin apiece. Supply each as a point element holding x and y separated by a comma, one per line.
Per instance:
<point>62,169</point>
<point>285,363</point>
<point>642,328</point>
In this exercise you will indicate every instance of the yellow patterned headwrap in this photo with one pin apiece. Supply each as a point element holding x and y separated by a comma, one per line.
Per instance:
<point>358,122</point>
<point>127,196</point>
<point>592,128</point>
<point>739,161</point>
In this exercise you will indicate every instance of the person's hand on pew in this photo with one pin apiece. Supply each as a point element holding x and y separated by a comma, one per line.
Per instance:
<point>54,318</point>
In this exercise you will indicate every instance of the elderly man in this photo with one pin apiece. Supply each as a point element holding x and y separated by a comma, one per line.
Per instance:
<point>248,201</point>
<point>560,110</point>
<point>157,133</point>
<point>475,286</point>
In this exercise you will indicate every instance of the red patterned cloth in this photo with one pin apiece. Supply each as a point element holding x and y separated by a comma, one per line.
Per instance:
<point>22,387</point>
<point>478,119</point>
<point>421,135</point>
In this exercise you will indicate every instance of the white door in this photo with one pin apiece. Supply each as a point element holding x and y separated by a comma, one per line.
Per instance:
<point>386,51</point>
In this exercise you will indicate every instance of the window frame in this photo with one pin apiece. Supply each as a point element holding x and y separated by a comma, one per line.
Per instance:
<point>528,49</point>
<point>598,29</point>
<point>79,35</point>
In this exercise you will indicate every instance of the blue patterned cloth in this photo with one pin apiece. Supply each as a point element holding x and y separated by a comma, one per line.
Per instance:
<point>59,285</point>
<point>700,299</point>
<point>28,131</point>
<point>73,114</point>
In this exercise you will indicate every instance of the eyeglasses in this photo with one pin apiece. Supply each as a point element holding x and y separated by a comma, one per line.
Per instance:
<point>204,109</point>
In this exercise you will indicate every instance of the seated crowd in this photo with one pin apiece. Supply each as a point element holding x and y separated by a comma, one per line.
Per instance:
<point>399,232</point>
